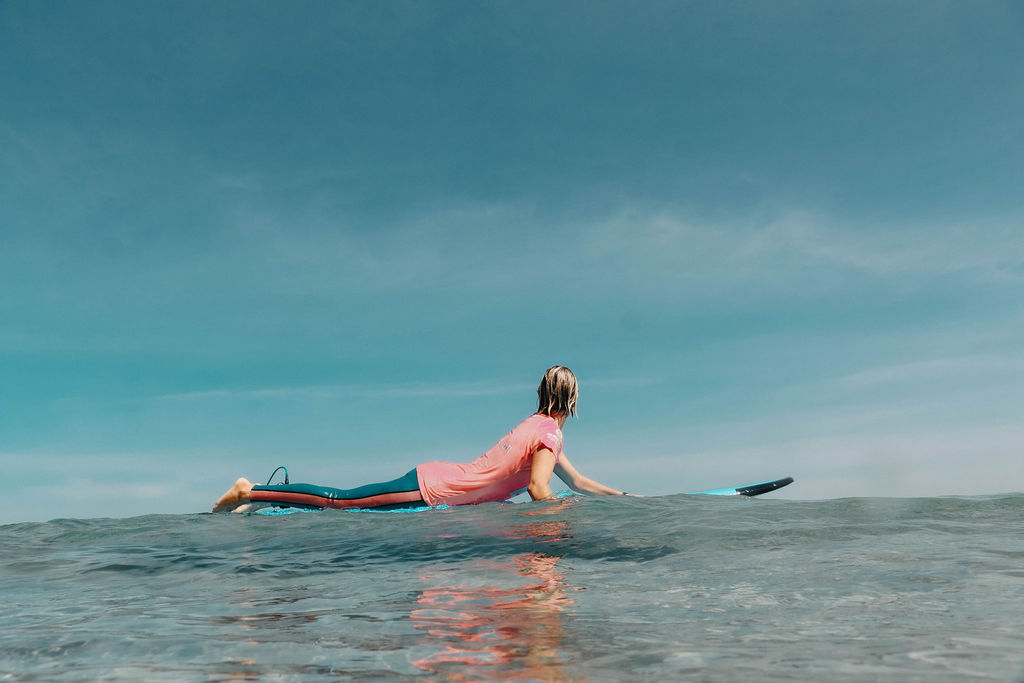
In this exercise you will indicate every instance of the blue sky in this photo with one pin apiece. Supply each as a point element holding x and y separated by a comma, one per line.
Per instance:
<point>771,238</point>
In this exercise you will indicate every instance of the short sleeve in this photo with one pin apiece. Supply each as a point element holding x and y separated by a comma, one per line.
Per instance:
<point>551,437</point>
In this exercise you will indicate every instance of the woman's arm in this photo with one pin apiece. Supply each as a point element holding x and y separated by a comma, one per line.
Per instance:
<point>540,474</point>
<point>577,482</point>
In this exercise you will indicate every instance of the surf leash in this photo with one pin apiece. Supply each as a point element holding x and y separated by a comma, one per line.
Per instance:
<point>271,477</point>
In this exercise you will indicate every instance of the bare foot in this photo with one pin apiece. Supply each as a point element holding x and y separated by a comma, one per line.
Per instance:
<point>234,496</point>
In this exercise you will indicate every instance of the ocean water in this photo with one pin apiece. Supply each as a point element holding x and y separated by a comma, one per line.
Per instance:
<point>669,588</point>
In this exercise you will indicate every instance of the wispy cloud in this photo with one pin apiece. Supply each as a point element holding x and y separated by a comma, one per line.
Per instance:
<point>898,461</point>
<point>382,391</point>
<point>656,238</point>
<point>614,382</point>
<point>640,251</point>
<point>336,391</point>
<point>962,367</point>
<point>90,497</point>
<point>896,248</point>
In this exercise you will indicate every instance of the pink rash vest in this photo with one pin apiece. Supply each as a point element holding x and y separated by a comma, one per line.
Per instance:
<point>498,474</point>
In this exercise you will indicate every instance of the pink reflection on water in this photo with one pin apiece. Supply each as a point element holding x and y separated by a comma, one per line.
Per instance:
<point>493,632</point>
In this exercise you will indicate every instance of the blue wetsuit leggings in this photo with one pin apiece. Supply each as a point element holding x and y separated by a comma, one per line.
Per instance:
<point>403,492</point>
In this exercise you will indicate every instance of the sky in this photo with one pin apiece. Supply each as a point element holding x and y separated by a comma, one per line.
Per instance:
<point>771,239</point>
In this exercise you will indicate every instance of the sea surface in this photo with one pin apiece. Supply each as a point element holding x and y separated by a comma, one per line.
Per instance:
<point>669,588</point>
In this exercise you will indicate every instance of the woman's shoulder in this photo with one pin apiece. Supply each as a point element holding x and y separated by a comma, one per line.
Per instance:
<point>540,421</point>
<point>544,429</point>
<point>534,426</point>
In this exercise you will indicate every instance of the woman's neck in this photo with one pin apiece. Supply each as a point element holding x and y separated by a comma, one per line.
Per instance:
<point>559,418</point>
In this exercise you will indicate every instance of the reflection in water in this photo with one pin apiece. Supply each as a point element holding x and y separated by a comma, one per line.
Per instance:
<point>492,632</point>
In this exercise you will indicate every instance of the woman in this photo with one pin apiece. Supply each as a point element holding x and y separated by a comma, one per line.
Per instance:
<point>524,459</point>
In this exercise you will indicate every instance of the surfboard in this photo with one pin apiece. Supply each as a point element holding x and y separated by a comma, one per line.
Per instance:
<point>748,489</point>
<point>761,488</point>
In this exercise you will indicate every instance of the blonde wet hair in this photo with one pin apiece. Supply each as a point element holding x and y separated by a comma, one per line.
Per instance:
<point>558,392</point>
